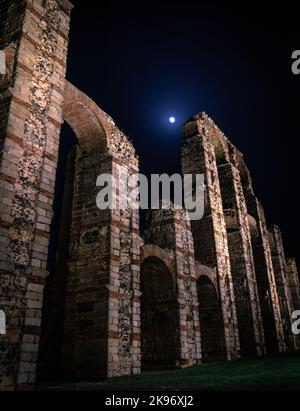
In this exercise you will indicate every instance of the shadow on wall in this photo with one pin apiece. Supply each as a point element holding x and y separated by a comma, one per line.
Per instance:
<point>159,315</point>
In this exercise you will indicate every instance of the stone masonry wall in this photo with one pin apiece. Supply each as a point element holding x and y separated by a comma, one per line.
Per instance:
<point>97,289</point>
<point>49,361</point>
<point>124,329</point>
<point>210,235</point>
<point>160,330</point>
<point>28,176</point>
<point>293,281</point>
<point>242,263</point>
<point>170,229</point>
<point>283,290</point>
<point>239,242</point>
<point>264,270</point>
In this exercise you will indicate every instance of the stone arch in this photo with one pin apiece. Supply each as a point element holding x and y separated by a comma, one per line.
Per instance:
<point>203,270</point>
<point>82,286</point>
<point>213,346</point>
<point>93,127</point>
<point>160,333</point>
<point>151,250</point>
<point>85,118</point>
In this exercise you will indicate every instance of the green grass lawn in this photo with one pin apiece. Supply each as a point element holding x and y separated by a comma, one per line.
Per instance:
<point>279,372</point>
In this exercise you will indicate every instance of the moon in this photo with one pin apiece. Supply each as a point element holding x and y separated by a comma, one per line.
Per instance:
<point>172,120</point>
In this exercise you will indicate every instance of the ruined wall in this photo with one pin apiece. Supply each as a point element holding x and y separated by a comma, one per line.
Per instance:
<point>101,310</point>
<point>28,176</point>
<point>242,252</point>
<point>213,344</point>
<point>209,233</point>
<point>12,15</point>
<point>160,341</point>
<point>239,241</point>
<point>241,258</point>
<point>293,281</point>
<point>95,295</point>
<point>101,324</point>
<point>49,361</point>
<point>103,290</point>
<point>264,270</point>
<point>283,289</point>
<point>171,230</point>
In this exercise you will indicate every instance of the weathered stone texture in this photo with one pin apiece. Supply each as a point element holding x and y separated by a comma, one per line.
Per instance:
<point>283,289</point>
<point>115,303</point>
<point>40,39</point>
<point>210,235</point>
<point>293,281</point>
<point>239,241</point>
<point>268,296</point>
<point>171,230</point>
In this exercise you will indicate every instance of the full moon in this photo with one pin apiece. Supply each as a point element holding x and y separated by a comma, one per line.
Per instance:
<point>172,120</point>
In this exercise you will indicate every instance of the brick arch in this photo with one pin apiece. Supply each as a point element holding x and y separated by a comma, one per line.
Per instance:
<point>84,117</point>
<point>211,274</point>
<point>86,233</point>
<point>93,127</point>
<point>151,250</point>
<point>160,316</point>
<point>213,344</point>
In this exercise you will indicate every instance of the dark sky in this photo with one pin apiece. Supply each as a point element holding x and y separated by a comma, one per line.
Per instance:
<point>142,62</point>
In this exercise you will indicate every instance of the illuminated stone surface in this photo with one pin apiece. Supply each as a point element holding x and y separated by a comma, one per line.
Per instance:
<point>118,301</point>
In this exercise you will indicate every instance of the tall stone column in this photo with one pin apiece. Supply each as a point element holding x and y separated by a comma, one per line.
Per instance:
<point>124,322</point>
<point>210,235</point>
<point>293,281</point>
<point>265,275</point>
<point>283,289</point>
<point>187,291</point>
<point>242,263</point>
<point>35,42</point>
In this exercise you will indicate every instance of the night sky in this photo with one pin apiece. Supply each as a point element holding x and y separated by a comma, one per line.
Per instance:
<point>143,62</point>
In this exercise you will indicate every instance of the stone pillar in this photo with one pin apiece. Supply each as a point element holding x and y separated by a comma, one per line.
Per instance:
<point>283,289</point>
<point>293,281</point>
<point>102,309</point>
<point>30,138</point>
<point>85,345</point>
<point>210,235</point>
<point>242,263</point>
<point>187,291</point>
<point>264,270</point>
<point>124,322</point>
<point>171,230</point>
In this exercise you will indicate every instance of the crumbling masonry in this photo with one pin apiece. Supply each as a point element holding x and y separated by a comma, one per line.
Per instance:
<point>118,302</point>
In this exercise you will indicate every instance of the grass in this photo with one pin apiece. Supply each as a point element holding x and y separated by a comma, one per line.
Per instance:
<point>275,373</point>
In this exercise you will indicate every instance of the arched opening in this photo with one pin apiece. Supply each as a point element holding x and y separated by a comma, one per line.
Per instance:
<point>213,345</point>
<point>159,316</point>
<point>49,361</point>
<point>74,325</point>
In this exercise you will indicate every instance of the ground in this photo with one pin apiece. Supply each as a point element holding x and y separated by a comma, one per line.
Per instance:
<point>275,373</point>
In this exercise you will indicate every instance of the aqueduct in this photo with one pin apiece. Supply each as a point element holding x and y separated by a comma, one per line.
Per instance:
<point>117,300</point>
